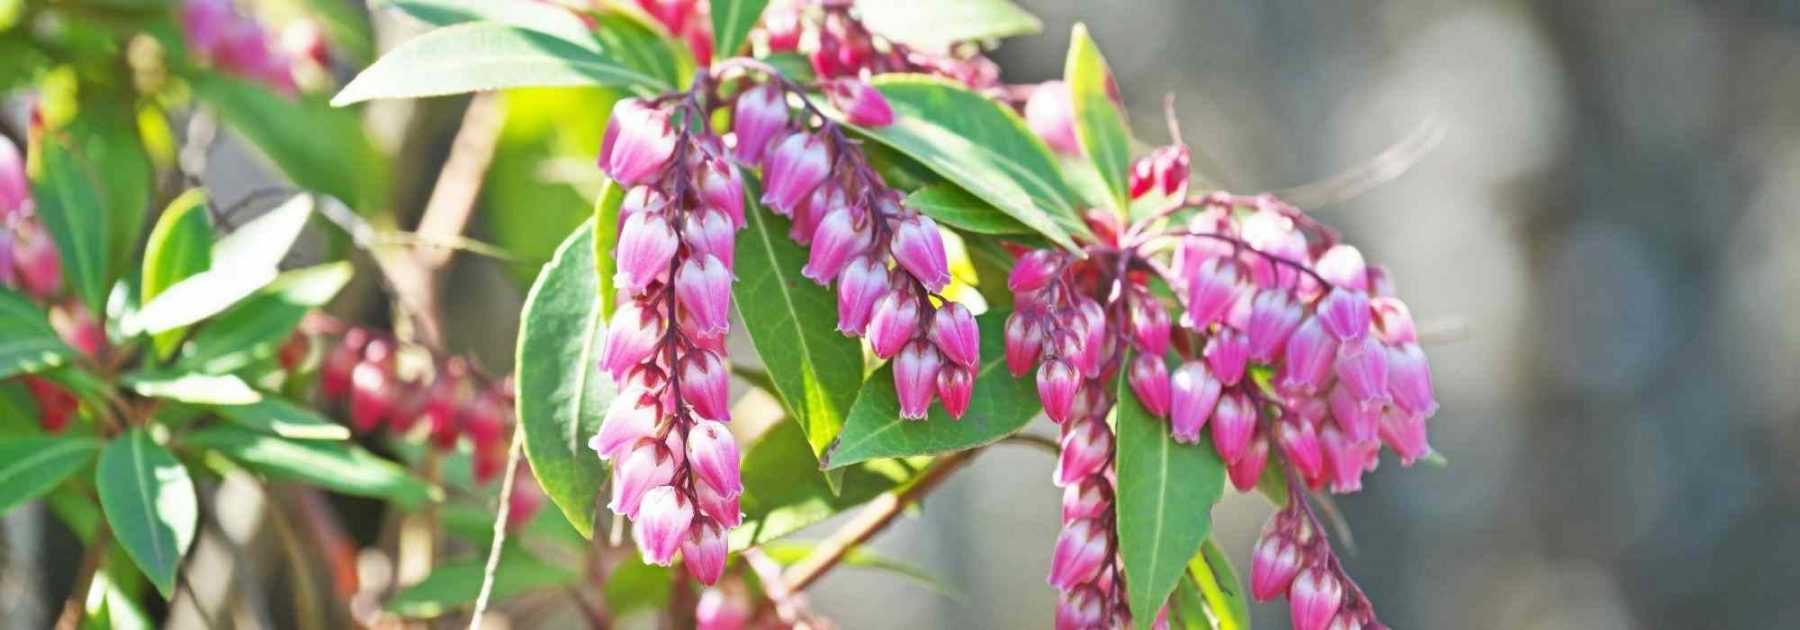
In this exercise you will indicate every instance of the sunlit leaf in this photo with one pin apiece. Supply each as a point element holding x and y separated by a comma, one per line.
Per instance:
<point>481,56</point>
<point>199,389</point>
<point>541,17</point>
<point>1220,588</point>
<point>69,203</point>
<point>1099,124</point>
<point>255,328</point>
<point>955,207</point>
<point>935,24</point>
<point>149,502</point>
<point>27,342</point>
<point>281,418</point>
<point>338,466</point>
<point>242,262</point>
<point>180,246</point>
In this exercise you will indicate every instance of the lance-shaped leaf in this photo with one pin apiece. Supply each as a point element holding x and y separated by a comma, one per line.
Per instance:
<point>982,146</point>
<point>544,18</point>
<point>455,586</point>
<point>255,328</point>
<point>180,246</point>
<point>27,342</point>
<point>338,466</point>
<point>199,389</point>
<point>242,262</point>
<point>481,56</point>
<point>69,203</point>
<point>792,321</point>
<point>149,502</point>
<point>1000,407</point>
<point>1099,124</point>
<point>281,418</point>
<point>31,466</point>
<point>562,392</point>
<point>319,147</point>
<point>731,22</point>
<point>955,207</point>
<point>1164,504</point>
<point>1220,590</point>
<point>936,24</point>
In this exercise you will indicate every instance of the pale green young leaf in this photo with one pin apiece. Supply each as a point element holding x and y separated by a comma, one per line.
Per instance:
<point>1099,124</point>
<point>243,261</point>
<point>281,418</point>
<point>180,246</point>
<point>950,205</point>
<point>199,389</point>
<point>1220,587</point>
<point>255,328</point>
<point>482,56</point>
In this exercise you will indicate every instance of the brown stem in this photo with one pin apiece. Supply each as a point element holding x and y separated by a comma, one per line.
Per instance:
<point>871,521</point>
<point>76,605</point>
<point>500,516</point>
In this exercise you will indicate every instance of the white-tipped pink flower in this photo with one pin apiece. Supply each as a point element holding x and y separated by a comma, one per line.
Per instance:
<point>631,416</point>
<point>1343,266</point>
<point>1034,270</point>
<point>1149,325</point>
<point>1149,378</point>
<point>1409,380</point>
<point>718,507</point>
<point>919,248</point>
<point>1081,549</point>
<point>638,142</point>
<point>1405,433</point>
<point>1273,316</point>
<point>710,233</point>
<point>1362,368</point>
<point>839,237</point>
<point>1356,419</point>
<point>1212,289</point>
<point>953,331</point>
<point>661,525</point>
<point>703,286</point>
<point>915,379</point>
<point>646,243</point>
<point>861,103</point>
<point>706,385</point>
<point>955,386</point>
<point>1393,321</point>
<point>1083,608</point>
<point>36,261</point>
<point>1273,564</point>
<point>1050,116</point>
<point>703,551</point>
<point>1308,358</point>
<point>718,610</point>
<point>713,455</point>
<point>1024,338</point>
<point>630,338</point>
<point>1194,392</point>
<point>862,282</point>
<point>1227,353</point>
<point>795,167</point>
<point>1233,423</point>
<point>1248,469</point>
<point>1090,498</point>
<point>1086,448</point>
<point>893,323</point>
<point>1090,332</point>
<point>1057,382</point>
<point>1313,599</point>
<point>646,465</point>
<point>722,189</point>
<point>1345,314</point>
<point>1299,443</point>
<point>1345,459</point>
<point>760,113</point>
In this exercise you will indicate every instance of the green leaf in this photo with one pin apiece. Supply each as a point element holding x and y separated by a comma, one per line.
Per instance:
<point>951,205</point>
<point>934,25</point>
<point>982,146</point>
<point>149,502</point>
<point>481,56</point>
<point>242,262</point>
<point>638,42</point>
<point>199,389</point>
<point>606,240</point>
<point>27,342</point>
<point>635,586</point>
<point>792,321</point>
<point>281,418</point>
<point>544,18</point>
<point>455,586</point>
<point>1000,407</point>
<point>784,491</point>
<point>562,392</point>
<point>1164,504</point>
<point>731,22</point>
<point>70,206</point>
<point>180,246</point>
<point>31,466</point>
<point>319,147</point>
<point>338,466</point>
<point>255,328</point>
<point>106,136</point>
<point>1099,124</point>
<point>1220,587</point>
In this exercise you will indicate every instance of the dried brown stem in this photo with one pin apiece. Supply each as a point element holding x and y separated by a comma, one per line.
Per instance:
<point>874,518</point>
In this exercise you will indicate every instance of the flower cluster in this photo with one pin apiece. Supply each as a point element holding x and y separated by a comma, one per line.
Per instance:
<point>240,45</point>
<point>1292,557</point>
<point>839,45</point>
<point>689,21</point>
<point>675,463</point>
<point>29,263</point>
<point>855,227</point>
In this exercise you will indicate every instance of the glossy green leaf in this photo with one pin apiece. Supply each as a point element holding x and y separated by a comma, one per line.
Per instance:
<point>951,205</point>
<point>319,147</point>
<point>1221,589</point>
<point>242,262</point>
<point>27,342</point>
<point>31,466</point>
<point>1166,492</point>
<point>731,22</point>
<point>281,418</point>
<point>338,466</point>
<point>149,502</point>
<point>68,195</point>
<point>936,24</point>
<point>481,56</point>
<point>1099,124</point>
<point>785,491</point>
<point>180,246</point>
<point>562,392</point>
<point>199,389</point>
<point>548,19</point>
<point>1000,407</point>
<point>255,328</point>
<point>454,586</point>
<point>792,321</point>
<point>606,240</point>
<point>638,42</point>
<point>982,146</point>
<point>105,134</point>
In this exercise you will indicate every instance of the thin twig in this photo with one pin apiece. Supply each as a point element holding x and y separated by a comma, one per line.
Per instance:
<point>871,521</point>
<point>500,514</point>
<point>76,605</point>
<point>1038,442</point>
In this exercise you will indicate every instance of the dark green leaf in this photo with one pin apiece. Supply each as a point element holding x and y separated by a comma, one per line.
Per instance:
<point>149,503</point>
<point>105,136</point>
<point>454,586</point>
<point>481,56</point>
<point>635,586</point>
<point>1000,407</point>
<point>338,466</point>
<point>180,246</point>
<point>731,22</point>
<point>317,146</point>
<point>255,328</point>
<point>242,262</point>
<point>1164,505</point>
<point>637,42</point>
<point>281,418</point>
<point>785,491</point>
<point>992,263</point>
<point>955,207</point>
<point>1099,124</point>
<point>936,24</point>
<point>562,392</point>
<point>1220,587</point>
<point>545,18</point>
<point>199,389</point>
<point>70,205</point>
<point>31,466</point>
<point>792,321</point>
<point>982,146</point>
<point>27,342</point>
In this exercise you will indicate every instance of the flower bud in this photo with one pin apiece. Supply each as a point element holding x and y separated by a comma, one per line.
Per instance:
<point>955,386</point>
<point>631,337</point>
<point>1345,314</point>
<point>1226,353</point>
<point>761,112</point>
<point>919,248</point>
<point>1233,423</point>
<point>703,286</point>
<point>1361,368</point>
<point>15,190</point>
<point>1081,548</point>
<point>954,332</point>
<point>1090,498</point>
<point>646,465</point>
<point>893,323</point>
<point>712,453</point>
<point>1273,564</point>
<point>706,385</point>
<point>838,238</point>
<point>1343,267</point>
<point>662,523</point>
<point>1149,325</point>
<point>1345,459</point>
<point>796,166</point>
<point>710,233</point>
<point>717,610</point>
<point>1086,448</point>
<point>1024,338</point>
<point>1299,443</point>
<point>638,142</point>
<point>56,405</point>
<point>718,507</point>
<point>371,402</point>
<point>1307,362</point>
<point>37,263</point>
<point>915,378</point>
<point>1405,433</point>
<point>1248,469</point>
<point>1273,316</point>
<point>1090,334</point>
<point>862,282</point>
<point>1409,380</point>
<point>1212,288</point>
<point>1194,392</point>
<point>704,551</point>
<point>1354,418</point>
<point>646,243</point>
<point>1050,116</point>
<point>1083,608</point>
<point>1034,270</point>
<point>862,104</point>
<point>1313,599</point>
<point>1149,379</point>
<point>722,190</point>
<point>334,373</point>
<point>631,416</point>
<point>1057,382</point>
